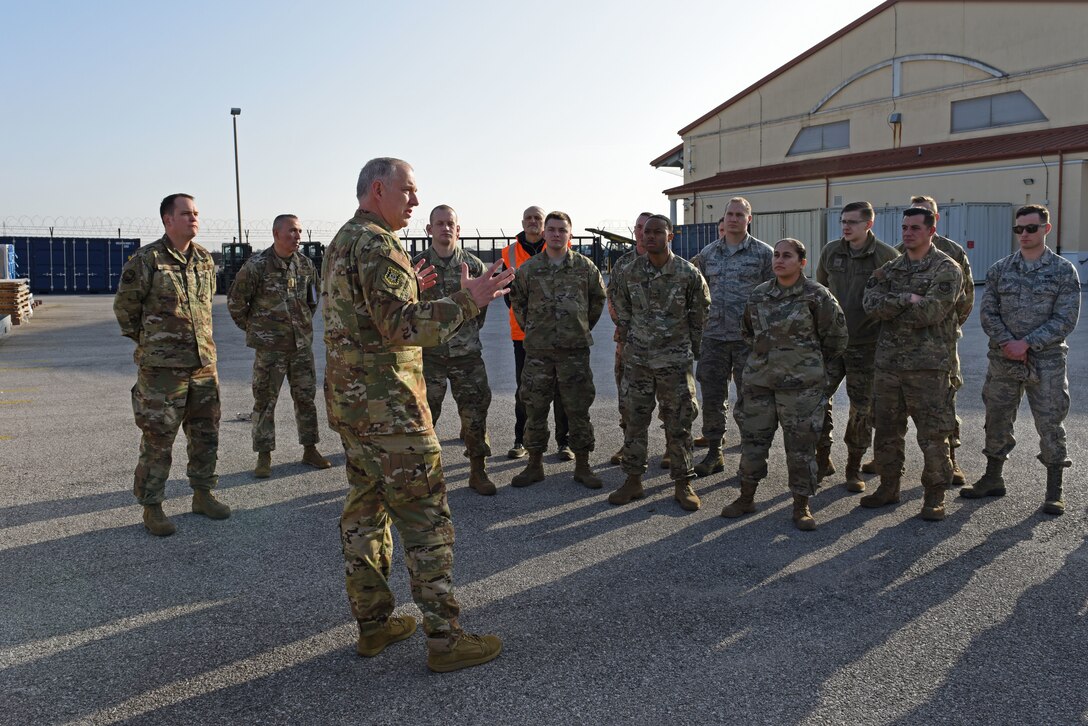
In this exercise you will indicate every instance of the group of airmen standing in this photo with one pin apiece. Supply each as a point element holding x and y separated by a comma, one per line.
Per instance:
<point>396,330</point>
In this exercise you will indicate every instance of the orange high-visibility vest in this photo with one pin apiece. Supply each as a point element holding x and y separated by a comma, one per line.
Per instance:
<point>520,256</point>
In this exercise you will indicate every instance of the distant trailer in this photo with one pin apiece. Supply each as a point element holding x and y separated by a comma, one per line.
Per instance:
<point>71,265</point>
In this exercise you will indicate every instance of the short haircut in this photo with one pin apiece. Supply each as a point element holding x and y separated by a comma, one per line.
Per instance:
<point>377,169</point>
<point>661,218</point>
<point>280,219</point>
<point>928,216</point>
<point>559,215</point>
<point>924,199</point>
<point>740,200</point>
<point>1043,212</point>
<point>864,208</point>
<point>440,207</point>
<point>645,214</point>
<point>798,247</point>
<point>721,219</point>
<point>167,204</point>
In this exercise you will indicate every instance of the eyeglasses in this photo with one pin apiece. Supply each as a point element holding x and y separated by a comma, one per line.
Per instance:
<point>1029,228</point>
<point>851,222</point>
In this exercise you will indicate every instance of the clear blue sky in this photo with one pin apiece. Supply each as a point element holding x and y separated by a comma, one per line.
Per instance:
<point>109,106</point>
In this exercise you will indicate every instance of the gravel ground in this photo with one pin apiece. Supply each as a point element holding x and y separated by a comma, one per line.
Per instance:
<point>638,614</point>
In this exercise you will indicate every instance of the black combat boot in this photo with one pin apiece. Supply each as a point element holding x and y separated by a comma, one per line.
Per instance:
<point>1054,503</point>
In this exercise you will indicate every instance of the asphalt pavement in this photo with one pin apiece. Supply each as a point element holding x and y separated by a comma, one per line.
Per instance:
<point>642,614</point>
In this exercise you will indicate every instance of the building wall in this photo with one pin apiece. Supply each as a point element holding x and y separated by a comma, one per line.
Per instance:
<point>1039,46</point>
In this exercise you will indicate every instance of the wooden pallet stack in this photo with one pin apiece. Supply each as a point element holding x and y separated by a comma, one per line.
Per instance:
<point>16,300</point>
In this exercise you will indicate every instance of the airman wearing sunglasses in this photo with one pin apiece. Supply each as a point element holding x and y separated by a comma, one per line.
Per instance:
<point>1030,306</point>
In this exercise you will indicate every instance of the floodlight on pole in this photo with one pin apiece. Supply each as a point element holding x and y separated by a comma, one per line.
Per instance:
<point>234,113</point>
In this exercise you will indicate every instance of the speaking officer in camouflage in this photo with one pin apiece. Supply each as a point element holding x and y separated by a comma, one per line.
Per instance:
<point>963,311</point>
<point>459,359</point>
<point>376,397</point>
<point>660,306</point>
<point>557,297</point>
<point>794,327</point>
<point>274,299</point>
<point>732,266</point>
<point>1030,306</point>
<point>164,303</point>
<point>844,268</point>
<point>915,296</point>
<point>614,278</point>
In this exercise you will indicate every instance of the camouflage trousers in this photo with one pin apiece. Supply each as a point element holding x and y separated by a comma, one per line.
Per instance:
<point>800,412</point>
<point>164,400</point>
<point>718,362</point>
<point>856,366</point>
<point>565,373</point>
<point>1048,396</point>
<point>398,480</point>
<point>468,381</point>
<point>674,389</point>
<point>927,397</point>
<point>269,369</point>
<point>617,369</point>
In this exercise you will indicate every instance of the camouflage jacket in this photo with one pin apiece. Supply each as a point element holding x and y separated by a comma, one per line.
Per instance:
<point>1038,302</point>
<point>467,338</point>
<point>614,278</point>
<point>921,336</point>
<point>274,301</point>
<point>375,327</point>
<point>959,256</point>
<point>845,271</point>
<point>558,305</point>
<point>792,333</point>
<point>731,278</point>
<point>164,303</point>
<point>660,313</point>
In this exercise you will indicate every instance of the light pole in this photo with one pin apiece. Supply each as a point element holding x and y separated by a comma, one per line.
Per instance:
<point>234,113</point>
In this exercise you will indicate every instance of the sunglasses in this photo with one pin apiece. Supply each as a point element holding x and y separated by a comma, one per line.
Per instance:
<point>1029,228</point>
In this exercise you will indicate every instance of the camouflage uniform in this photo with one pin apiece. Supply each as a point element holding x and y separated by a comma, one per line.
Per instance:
<point>845,271</point>
<point>791,333</point>
<point>963,311</point>
<point>660,313</point>
<point>164,303</point>
<point>614,281</point>
<point>915,361</point>
<point>376,400</point>
<point>557,305</point>
<point>1038,302</point>
<point>731,275</point>
<point>459,359</point>
<point>274,301</point>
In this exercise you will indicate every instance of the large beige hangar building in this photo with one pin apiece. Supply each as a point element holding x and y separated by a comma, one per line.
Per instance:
<point>982,105</point>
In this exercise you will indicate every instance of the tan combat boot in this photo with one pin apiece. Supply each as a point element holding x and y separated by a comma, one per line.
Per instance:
<point>533,472</point>
<point>204,502</point>
<point>583,473</point>
<point>1054,504</point>
<point>802,517</point>
<point>156,522</point>
<point>445,655</point>
<point>263,470</point>
<point>617,458</point>
<point>686,496</point>
<point>394,629</point>
<point>313,457</point>
<point>714,461</point>
<point>854,482</point>
<point>870,467</point>
<point>823,462</point>
<point>630,491</point>
<point>990,484</point>
<point>886,493</point>
<point>477,477</point>
<point>933,504</point>
<point>701,442</point>
<point>744,504</point>
<point>958,478</point>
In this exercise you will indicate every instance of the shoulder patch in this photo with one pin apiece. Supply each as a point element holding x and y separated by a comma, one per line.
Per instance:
<point>128,275</point>
<point>945,287</point>
<point>393,276</point>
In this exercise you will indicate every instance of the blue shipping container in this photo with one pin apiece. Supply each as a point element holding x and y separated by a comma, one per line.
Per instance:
<point>71,265</point>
